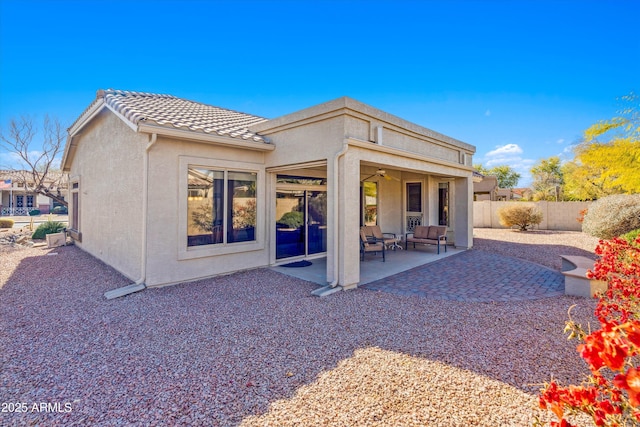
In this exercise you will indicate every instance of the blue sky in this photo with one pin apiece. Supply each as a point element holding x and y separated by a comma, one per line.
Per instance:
<point>520,80</point>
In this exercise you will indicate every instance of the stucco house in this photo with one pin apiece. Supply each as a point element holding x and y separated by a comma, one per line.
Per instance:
<point>486,188</point>
<point>18,196</point>
<point>169,190</point>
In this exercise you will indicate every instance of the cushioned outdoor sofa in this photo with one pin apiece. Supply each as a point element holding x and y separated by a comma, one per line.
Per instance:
<point>427,235</point>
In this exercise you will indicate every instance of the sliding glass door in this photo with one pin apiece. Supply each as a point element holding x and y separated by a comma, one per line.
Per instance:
<point>317,223</point>
<point>290,224</point>
<point>301,223</point>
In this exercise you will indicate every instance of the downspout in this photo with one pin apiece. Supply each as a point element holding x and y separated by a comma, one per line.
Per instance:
<point>139,284</point>
<point>145,208</point>
<point>331,287</point>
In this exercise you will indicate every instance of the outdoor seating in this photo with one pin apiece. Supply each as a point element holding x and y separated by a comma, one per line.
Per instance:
<point>390,240</point>
<point>370,244</point>
<point>428,235</point>
<point>576,279</point>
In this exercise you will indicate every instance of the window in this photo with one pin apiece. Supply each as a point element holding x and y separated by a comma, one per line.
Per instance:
<point>29,201</point>
<point>74,212</point>
<point>443,203</point>
<point>221,206</point>
<point>75,206</point>
<point>414,197</point>
<point>370,203</point>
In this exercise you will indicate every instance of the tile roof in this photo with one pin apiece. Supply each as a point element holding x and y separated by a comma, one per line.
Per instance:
<point>172,112</point>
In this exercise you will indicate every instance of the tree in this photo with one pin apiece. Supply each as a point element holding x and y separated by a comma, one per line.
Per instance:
<point>607,161</point>
<point>37,165</point>
<point>507,176</point>
<point>583,181</point>
<point>547,179</point>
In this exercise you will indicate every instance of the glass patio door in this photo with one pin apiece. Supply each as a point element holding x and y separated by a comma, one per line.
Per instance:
<point>317,222</point>
<point>301,223</point>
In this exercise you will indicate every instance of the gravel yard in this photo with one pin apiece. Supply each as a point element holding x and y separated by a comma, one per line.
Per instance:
<point>255,349</point>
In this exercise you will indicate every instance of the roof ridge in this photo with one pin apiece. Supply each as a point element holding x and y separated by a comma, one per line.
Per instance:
<point>103,92</point>
<point>170,111</point>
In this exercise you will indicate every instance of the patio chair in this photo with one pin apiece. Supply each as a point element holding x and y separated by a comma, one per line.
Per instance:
<point>390,240</point>
<point>370,244</point>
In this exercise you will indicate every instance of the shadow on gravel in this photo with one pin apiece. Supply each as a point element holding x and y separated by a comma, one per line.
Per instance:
<point>219,351</point>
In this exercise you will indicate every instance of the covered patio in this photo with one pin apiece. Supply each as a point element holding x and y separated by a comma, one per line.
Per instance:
<point>392,196</point>
<point>372,268</point>
<point>342,165</point>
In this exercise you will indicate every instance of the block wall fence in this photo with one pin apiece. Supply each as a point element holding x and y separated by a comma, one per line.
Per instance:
<point>555,215</point>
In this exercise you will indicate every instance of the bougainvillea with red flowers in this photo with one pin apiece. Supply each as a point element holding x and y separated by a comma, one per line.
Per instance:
<point>611,394</point>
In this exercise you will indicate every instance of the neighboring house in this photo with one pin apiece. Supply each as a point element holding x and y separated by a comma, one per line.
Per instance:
<point>18,198</point>
<point>487,189</point>
<point>168,190</point>
<point>522,194</point>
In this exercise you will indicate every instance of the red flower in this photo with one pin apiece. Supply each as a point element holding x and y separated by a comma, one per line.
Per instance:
<point>630,381</point>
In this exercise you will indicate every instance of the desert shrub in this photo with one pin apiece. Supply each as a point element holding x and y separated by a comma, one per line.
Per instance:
<point>613,216</point>
<point>6,223</point>
<point>522,216</point>
<point>48,227</point>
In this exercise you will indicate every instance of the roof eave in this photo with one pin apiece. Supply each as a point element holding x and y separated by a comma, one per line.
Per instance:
<point>88,115</point>
<point>205,137</point>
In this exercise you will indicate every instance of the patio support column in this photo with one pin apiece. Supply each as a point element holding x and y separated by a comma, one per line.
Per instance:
<point>348,220</point>
<point>332,221</point>
<point>463,234</point>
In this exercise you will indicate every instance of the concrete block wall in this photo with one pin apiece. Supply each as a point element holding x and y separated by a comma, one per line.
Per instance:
<point>556,215</point>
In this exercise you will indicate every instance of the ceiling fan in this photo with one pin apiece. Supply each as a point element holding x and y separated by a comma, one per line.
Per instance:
<point>382,173</point>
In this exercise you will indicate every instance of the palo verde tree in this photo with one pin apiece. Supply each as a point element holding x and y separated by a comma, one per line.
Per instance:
<point>607,161</point>
<point>38,154</point>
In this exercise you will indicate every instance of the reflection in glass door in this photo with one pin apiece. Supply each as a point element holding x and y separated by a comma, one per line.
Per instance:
<point>301,223</point>
<point>317,223</point>
<point>290,220</point>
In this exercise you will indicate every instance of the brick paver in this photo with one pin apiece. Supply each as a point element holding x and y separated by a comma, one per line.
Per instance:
<point>475,276</point>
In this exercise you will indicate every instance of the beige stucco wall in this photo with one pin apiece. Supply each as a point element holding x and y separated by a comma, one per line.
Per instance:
<point>108,165</point>
<point>169,259</point>
<point>306,142</point>
<point>556,215</point>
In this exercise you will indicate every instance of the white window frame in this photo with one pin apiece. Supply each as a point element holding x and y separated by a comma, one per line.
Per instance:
<point>74,188</point>
<point>191,252</point>
<point>423,202</point>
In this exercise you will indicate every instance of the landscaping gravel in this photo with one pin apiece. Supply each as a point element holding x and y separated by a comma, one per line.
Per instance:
<point>256,349</point>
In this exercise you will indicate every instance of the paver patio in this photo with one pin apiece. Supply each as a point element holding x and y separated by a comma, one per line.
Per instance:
<point>459,275</point>
<point>475,276</point>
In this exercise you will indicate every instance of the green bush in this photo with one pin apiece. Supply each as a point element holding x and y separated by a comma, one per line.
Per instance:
<point>631,236</point>
<point>522,216</point>
<point>612,216</point>
<point>292,219</point>
<point>6,223</point>
<point>48,227</point>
